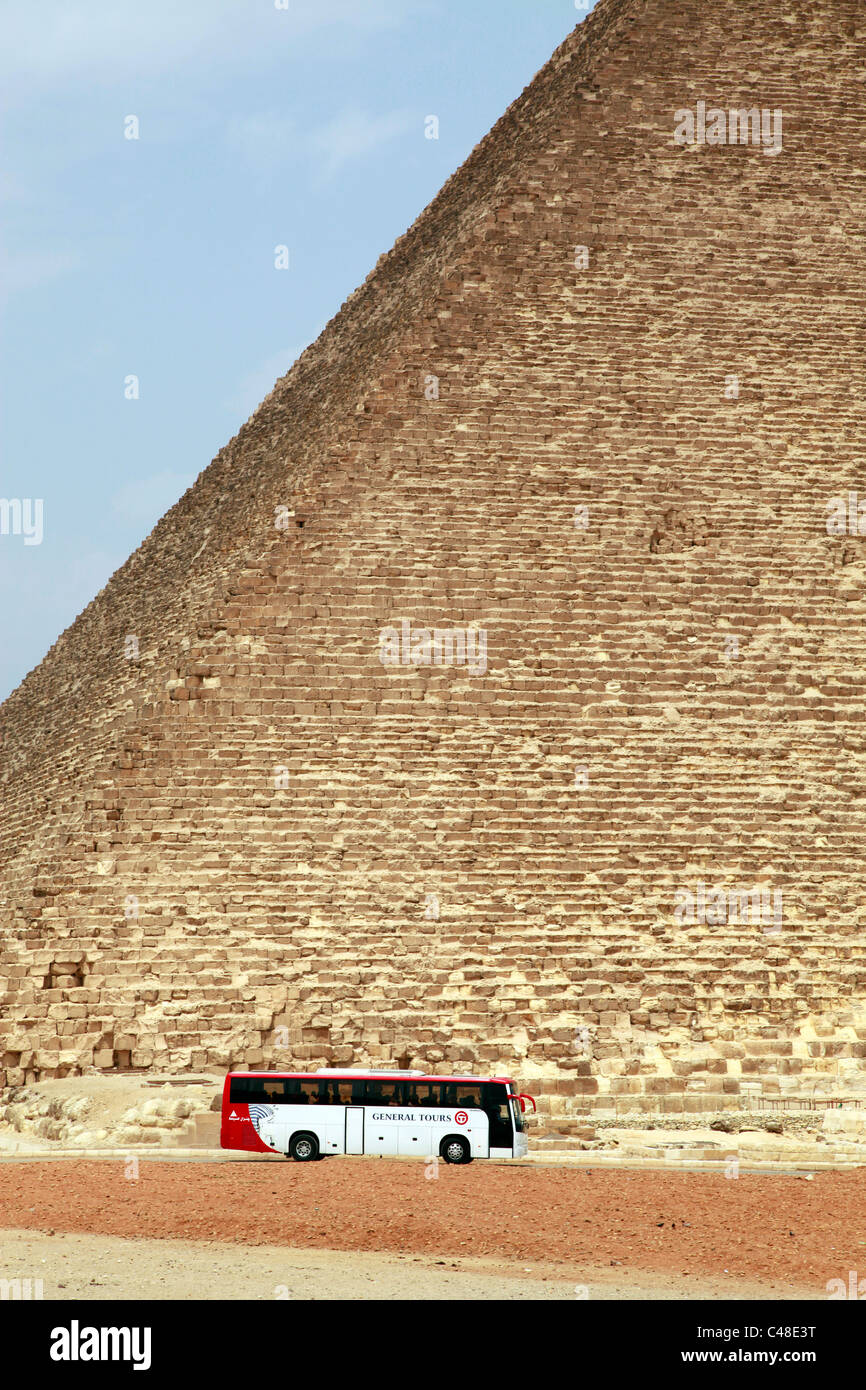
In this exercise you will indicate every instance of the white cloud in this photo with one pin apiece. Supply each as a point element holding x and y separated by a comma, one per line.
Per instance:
<point>263,141</point>
<point>53,43</point>
<point>267,140</point>
<point>27,270</point>
<point>353,135</point>
<point>147,499</point>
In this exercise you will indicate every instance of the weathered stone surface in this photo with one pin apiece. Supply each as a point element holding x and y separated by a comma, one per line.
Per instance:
<point>258,845</point>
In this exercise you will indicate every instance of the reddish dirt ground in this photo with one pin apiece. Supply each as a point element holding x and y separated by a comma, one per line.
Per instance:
<point>755,1227</point>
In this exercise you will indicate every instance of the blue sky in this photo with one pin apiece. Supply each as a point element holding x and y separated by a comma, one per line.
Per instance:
<point>259,126</point>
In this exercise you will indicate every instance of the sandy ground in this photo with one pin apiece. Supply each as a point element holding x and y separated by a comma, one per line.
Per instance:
<point>91,1267</point>
<point>668,1231</point>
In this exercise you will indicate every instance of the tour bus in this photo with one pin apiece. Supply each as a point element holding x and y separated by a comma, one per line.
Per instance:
<point>310,1115</point>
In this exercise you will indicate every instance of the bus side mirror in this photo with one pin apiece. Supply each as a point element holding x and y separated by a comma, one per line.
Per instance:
<point>523,1098</point>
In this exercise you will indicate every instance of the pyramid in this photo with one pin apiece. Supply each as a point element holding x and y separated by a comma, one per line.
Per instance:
<point>496,696</point>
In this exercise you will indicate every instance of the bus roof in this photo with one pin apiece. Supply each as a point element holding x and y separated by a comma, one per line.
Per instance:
<point>370,1076</point>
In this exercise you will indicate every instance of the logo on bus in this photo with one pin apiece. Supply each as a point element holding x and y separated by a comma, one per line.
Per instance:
<point>461,1118</point>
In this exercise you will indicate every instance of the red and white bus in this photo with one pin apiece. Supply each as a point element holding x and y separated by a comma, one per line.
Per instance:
<point>308,1115</point>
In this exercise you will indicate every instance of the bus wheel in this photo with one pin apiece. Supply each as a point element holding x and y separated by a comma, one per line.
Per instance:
<point>456,1150</point>
<point>304,1147</point>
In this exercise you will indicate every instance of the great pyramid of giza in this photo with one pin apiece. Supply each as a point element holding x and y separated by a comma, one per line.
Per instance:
<point>496,696</point>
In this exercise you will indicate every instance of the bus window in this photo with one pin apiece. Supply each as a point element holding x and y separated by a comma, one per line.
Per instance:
<point>494,1094</point>
<point>384,1093</point>
<point>247,1090</point>
<point>459,1094</point>
<point>495,1101</point>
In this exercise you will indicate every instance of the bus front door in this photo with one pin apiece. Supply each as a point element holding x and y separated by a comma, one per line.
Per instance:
<point>354,1129</point>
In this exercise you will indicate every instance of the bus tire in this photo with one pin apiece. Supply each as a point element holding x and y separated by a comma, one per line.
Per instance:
<point>304,1148</point>
<point>455,1149</point>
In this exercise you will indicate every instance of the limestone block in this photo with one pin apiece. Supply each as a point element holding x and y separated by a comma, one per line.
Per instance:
<point>847,1122</point>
